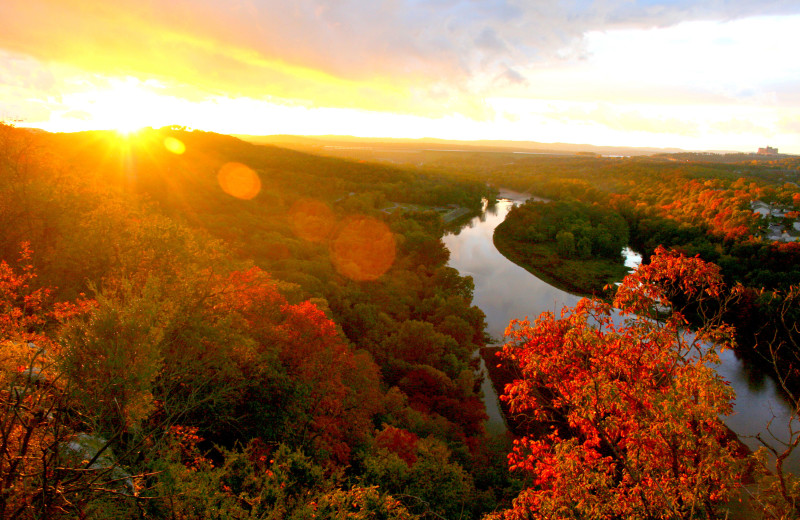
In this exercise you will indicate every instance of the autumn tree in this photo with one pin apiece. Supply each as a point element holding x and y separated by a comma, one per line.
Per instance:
<point>292,377</point>
<point>630,405</point>
<point>48,469</point>
<point>258,482</point>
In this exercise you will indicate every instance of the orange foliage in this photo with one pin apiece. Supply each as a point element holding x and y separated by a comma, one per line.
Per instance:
<point>398,441</point>
<point>30,395</point>
<point>187,439</point>
<point>25,310</point>
<point>668,272</point>
<point>342,387</point>
<point>632,406</point>
<point>724,210</point>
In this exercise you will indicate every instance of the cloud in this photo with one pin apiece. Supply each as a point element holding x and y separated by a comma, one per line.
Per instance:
<point>423,57</point>
<point>489,41</point>
<point>512,77</point>
<point>78,114</point>
<point>659,13</point>
<point>271,45</point>
<point>24,72</point>
<point>623,118</point>
<point>790,125</point>
<point>739,126</point>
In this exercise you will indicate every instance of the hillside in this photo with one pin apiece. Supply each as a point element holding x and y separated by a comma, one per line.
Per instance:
<point>241,326</point>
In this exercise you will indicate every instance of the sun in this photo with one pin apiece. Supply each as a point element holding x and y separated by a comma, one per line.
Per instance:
<point>127,129</point>
<point>125,105</point>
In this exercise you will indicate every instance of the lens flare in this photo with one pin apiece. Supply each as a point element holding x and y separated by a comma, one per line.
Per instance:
<point>239,181</point>
<point>363,249</point>
<point>174,145</point>
<point>312,220</point>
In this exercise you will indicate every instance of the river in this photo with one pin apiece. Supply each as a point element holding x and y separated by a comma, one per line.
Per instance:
<point>505,291</point>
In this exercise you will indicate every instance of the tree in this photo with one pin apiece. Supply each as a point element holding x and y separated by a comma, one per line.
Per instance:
<point>47,468</point>
<point>565,244</point>
<point>631,405</point>
<point>114,356</point>
<point>433,486</point>
<point>240,361</point>
<point>778,343</point>
<point>264,482</point>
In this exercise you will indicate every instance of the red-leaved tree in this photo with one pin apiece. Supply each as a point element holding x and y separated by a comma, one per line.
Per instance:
<point>631,405</point>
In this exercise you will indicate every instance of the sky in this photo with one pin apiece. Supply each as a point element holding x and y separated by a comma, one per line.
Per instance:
<point>697,75</point>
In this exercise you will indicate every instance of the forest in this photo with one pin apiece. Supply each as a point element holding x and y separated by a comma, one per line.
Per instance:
<point>194,326</point>
<point>197,327</point>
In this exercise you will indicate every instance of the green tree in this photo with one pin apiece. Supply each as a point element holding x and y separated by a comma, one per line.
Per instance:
<point>115,353</point>
<point>565,244</point>
<point>433,486</point>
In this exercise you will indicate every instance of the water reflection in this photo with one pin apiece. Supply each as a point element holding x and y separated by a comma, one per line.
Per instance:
<point>497,423</point>
<point>490,209</point>
<point>503,290</point>
<point>632,258</point>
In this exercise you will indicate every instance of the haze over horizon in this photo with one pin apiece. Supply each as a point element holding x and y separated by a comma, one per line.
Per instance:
<point>710,75</point>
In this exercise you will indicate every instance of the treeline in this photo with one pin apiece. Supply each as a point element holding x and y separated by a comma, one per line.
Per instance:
<point>194,326</point>
<point>699,208</point>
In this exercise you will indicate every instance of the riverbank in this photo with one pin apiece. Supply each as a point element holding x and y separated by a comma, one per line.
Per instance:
<point>500,374</point>
<point>579,277</point>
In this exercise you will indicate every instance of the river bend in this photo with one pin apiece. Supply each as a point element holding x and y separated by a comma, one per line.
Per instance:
<point>505,291</point>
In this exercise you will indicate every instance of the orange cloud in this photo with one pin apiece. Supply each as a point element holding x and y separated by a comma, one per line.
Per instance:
<point>235,50</point>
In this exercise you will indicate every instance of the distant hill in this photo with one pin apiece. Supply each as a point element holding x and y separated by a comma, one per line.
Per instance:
<point>427,143</point>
